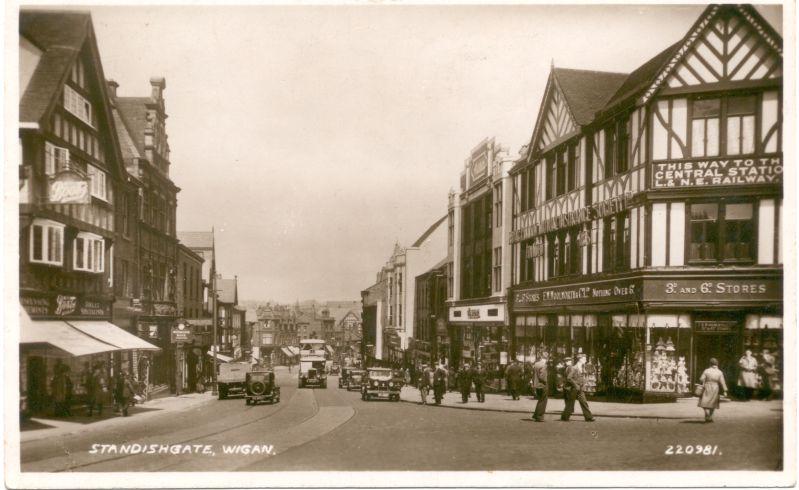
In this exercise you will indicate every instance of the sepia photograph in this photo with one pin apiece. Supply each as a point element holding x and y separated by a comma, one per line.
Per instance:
<point>390,244</point>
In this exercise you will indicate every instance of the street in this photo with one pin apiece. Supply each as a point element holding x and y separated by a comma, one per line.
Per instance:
<point>332,429</point>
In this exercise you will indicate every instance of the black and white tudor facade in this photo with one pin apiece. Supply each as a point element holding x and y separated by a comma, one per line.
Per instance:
<point>647,212</point>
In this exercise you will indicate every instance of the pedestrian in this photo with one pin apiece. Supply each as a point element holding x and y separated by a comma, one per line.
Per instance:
<point>747,378</point>
<point>58,389</point>
<point>479,378</point>
<point>452,378</point>
<point>769,374</point>
<point>407,376</point>
<point>424,383</point>
<point>575,381</point>
<point>439,383</point>
<point>69,392</point>
<point>540,386</point>
<point>125,390</point>
<point>514,378</point>
<point>711,388</point>
<point>465,382</point>
<point>95,391</point>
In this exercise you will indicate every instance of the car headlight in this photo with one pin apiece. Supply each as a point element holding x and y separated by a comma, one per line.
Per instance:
<point>374,383</point>
<point>390,384</point>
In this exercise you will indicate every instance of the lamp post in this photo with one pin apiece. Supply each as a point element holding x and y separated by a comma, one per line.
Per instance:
<point>216,320</point>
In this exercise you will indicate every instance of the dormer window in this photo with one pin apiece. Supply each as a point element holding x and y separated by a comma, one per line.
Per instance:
<point>76,104</point>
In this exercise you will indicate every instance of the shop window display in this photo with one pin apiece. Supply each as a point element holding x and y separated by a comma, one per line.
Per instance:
<point>668,353</point>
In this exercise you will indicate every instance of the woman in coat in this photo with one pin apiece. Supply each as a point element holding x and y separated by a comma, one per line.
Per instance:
<point>747,379</point>
<point>713,386</point>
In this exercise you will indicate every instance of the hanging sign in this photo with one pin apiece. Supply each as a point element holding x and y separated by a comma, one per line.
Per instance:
<point>68,187</point>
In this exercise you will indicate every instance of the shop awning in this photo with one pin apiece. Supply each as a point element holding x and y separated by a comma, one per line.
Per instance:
<point>330,349</point>
<point>111,334</point>
<point>295,351</point>
<point>220,357</point>
<point>286,352</point>
<point>61,336</point>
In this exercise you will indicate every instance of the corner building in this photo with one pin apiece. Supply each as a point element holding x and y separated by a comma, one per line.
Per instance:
<point>479,329</point>
<point>647,215</point>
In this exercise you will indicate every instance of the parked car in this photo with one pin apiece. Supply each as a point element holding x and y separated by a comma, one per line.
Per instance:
<point>261,387</point>
<point>335,368</point>
<point>356,379</point>
<point>380,383</point>
<point>231,378</point>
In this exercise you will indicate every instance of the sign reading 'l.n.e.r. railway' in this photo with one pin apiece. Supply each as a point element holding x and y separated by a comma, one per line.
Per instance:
<point>717,172</point>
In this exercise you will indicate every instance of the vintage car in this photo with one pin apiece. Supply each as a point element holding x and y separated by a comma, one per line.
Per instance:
<point>260,386</point>
<point>356,379</point>
<point>312,373</point>
<point>335,368</point>
<point>380,383</point>
<point>345,375</point>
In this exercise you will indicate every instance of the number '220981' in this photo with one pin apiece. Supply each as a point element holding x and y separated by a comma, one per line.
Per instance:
<point>697,450</point>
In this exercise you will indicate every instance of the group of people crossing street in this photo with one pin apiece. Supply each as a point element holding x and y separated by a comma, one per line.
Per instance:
<point>468,377</point>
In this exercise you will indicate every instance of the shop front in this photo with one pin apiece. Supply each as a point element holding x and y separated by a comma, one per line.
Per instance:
<point>479,333</point>
<point>155,325</point>
<point>650,336</point>
<point>70,334</point>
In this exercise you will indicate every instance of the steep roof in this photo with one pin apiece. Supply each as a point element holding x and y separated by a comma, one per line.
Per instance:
<point>133,111</point>
<point>419,241</point>
<point>197,239</point>
<point>60,36</point>
<point>642,76</point>
<point>587,91</point>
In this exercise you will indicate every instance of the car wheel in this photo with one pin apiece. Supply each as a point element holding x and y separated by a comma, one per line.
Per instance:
<point>246,401</point>
<point>222,393</point>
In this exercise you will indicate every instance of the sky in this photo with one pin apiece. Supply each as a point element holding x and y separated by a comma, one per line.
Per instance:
<point>312,138</point>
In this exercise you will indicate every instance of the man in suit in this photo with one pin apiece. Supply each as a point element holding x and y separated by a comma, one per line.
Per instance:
<point>514,378</point>
<point>424,383</point>
<point>479,379</point>
<point>439,383</point>
<point>575,381</point>
<point>465,382</point>
<point>541,386</point>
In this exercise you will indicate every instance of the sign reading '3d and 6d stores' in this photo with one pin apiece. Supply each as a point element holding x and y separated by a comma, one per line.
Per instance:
<point>684,290</point>
<point>717,172</point>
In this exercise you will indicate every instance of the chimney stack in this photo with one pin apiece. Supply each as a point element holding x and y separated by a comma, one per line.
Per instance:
<point>112,88</point>
<point>158,85</point>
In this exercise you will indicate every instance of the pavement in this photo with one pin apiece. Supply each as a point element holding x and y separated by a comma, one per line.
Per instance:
<point>36,428</point>
<point>682,409</point>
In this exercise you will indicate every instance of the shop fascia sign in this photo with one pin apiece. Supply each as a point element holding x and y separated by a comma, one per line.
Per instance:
<point>64,306</point>
<point>598,292</point>
<point>717,172</point>
<point>700,290</point>
<point>529,226</point>
<point>68,187</point>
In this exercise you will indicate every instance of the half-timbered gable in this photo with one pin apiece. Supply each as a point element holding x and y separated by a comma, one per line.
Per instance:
<point>71,160</point>
<point>677,228</point>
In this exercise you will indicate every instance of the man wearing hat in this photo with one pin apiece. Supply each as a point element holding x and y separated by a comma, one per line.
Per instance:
<point>573,387</point>
<point>424,382</point>
<point>540,386</point>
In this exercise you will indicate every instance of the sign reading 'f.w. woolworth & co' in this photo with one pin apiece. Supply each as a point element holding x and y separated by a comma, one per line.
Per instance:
<point>717,172</point>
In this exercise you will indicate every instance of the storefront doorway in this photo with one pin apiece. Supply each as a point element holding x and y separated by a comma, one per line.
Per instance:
<point>37,383</point>
<point>724,346</point>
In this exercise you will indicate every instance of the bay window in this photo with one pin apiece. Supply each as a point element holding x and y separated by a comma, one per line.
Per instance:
<point>88,253</point>
<point>46,242</point>
<point>721,232</point>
